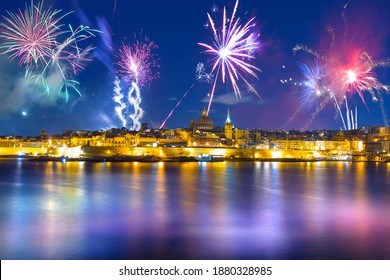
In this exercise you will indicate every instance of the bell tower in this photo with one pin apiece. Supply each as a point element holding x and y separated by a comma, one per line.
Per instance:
<point>228,126</point>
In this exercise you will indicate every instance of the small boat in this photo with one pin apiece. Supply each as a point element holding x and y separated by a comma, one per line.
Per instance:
<point>210,158</point>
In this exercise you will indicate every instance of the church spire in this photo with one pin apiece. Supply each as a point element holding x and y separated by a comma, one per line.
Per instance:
<point>228,117</point>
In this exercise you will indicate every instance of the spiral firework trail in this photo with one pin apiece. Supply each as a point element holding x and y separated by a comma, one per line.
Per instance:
<point>137,66</point>
<point>233,46</point>
<point>119,99</point>
<point>134,98</point>
<point>46,47</point>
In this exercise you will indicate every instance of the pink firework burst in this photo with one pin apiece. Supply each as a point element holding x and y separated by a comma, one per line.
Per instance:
<point>233,46</point>
<point>30,35</point>
<point>45,47</point>
<point>138,62</point>
<point>348,66</point>
<point>358,76</point>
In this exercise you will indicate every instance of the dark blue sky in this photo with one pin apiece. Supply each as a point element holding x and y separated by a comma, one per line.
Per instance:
<point>176,27</point>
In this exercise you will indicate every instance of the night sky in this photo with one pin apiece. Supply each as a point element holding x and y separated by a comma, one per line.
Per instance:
<point>176,27</point>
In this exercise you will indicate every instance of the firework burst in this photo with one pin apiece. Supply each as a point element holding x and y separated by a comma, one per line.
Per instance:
<point>232,48</point>
<point>338,81</point>
<point>137,67</point>
<point>44,46</point>
<point>138,63</point>
<point>346,70</point>
<point>358,76</point>
<point>30,36</point>
<point>201,75</point>
<point>313,89</point>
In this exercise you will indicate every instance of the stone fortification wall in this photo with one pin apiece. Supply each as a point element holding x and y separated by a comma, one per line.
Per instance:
<point>194,152</point>
<point>12,151</point>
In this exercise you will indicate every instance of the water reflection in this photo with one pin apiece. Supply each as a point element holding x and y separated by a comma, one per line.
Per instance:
<point>260,210</point>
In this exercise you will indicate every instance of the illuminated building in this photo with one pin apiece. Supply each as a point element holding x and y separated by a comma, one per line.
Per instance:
<point>204,123</point>
<point>367,143</point>
<point>241,137</point>
<point>228,126</point>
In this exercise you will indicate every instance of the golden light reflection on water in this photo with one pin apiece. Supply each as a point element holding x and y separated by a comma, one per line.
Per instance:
<point>160,190</point>
<point>221,184</point>
<point>361,181</point>
<point>362,202</point>
<point>136,186</point>
<point>204,190</point>
<point>270,223</point>
<point>313,195</point>
<point>189,191</point>
<point>223,209</point>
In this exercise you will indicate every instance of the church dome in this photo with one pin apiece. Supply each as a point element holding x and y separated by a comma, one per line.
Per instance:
<point>204,122</point>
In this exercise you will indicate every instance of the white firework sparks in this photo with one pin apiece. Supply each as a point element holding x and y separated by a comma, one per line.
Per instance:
<point>232,47</point>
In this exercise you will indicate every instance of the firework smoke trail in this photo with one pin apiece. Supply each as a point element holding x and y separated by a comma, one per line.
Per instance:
<point>233,45</point>
<point>339,110</point>
<point>34,38</point>
<point>136,69</point>
<point>383,109</point>
<point>118,98</point>
<point>348,118</point>
<point>356,118</point>
<point>306,49</point>
<point>352,120</point>
<point>201,76</point>
<point>321,105</point>
<point>114,9</point>
<point>177,104</point>
<point>293,116</point>
<point>382,63</point>
<point>319,108</point>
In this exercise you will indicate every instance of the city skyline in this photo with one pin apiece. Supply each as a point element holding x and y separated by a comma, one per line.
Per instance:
<point>225,131</point>
<point>177,28</point>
